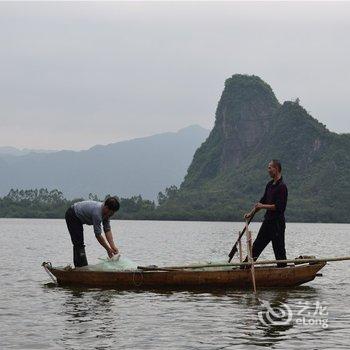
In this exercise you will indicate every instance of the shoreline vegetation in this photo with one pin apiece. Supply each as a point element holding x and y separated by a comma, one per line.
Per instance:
<point>51,204</point>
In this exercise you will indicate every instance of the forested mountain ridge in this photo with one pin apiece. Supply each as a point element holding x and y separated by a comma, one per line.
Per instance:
<point>228,172</point>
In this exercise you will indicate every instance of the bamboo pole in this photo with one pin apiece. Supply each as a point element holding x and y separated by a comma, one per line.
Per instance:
<point>234,248</point>
<point>262,262</point>
<point>240,248</point>
<point>250,256</point>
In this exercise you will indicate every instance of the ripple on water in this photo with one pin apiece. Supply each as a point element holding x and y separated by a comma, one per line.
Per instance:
<point>38,316</point>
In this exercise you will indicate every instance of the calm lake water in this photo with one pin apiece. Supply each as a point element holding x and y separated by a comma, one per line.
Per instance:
<point>35,315</point>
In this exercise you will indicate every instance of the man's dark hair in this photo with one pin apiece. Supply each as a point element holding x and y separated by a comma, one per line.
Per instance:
<point>277,164</point>
<point>112,203</point>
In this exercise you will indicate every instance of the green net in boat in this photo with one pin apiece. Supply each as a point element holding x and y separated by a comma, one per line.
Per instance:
<point>115,264</point>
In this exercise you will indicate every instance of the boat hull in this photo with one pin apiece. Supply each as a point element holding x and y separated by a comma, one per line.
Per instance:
<point>266,277</point>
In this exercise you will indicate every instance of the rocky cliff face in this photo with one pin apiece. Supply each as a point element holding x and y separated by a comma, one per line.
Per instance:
<point>228,171</point>
<point>244,116</point>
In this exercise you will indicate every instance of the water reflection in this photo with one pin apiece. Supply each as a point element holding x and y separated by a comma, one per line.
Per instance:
<point>89,314</point>
<point>84,310</point>
<point>274,333</point>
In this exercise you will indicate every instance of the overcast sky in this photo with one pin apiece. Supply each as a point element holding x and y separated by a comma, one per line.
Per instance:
<point>77,74</point>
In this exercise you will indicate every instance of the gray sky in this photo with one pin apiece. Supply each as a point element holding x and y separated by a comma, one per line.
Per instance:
<point>77,74</point>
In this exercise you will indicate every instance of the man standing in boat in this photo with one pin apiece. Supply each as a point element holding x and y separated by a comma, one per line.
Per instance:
<point>91,213</point>
<point>274,201</point>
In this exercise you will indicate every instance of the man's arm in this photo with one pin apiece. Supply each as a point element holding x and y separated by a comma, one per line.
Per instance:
<point>280,201</point>
<point>259,206</point>
<point>98,234</point>
<point>109,236</point>
<point>256,208</point>
<point>105,245</point>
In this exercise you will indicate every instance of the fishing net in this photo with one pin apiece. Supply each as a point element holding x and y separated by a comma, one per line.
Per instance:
<point>121,263</point>
<point>117,263</point>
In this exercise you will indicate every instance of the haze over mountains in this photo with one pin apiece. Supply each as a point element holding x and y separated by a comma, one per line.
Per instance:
<point>140,166</point>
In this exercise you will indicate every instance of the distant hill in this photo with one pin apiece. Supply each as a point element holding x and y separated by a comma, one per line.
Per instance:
<point>13,151</point>
<point>140,166</point>
<point>228,171</point>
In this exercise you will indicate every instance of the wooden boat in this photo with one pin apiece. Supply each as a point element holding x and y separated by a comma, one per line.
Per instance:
<point>228,276</point>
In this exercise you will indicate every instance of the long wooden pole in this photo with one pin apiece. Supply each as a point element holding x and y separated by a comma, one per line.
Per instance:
<point>240,249</point>
<point>250,257</point>
<point>234,248</point>
<point>262,262</point>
